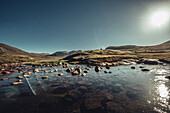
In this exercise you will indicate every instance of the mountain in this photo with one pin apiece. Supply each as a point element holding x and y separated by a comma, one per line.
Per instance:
<point>163,46</point>
<point>6,49</point>
<point>64,53</point>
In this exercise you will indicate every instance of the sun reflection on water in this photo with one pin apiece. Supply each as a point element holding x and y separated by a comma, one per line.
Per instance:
<point>163,90</point>
<point>162,94</point>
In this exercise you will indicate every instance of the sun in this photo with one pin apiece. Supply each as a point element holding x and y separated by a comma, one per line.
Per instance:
<point>159,18</point>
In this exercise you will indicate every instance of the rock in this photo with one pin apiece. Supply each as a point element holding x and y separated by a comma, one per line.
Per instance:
<point>44,77</point>
<point>145,70</point>
<point>168,77</point>
<point>105,71</point>
<point>60,74</point>
<point>141,66</point>
<point>107,66</point>
<point>59,63</point>
<point>36,70</point>
<point>110,72</point>
<point>79,70</point>
<point>86,71</point>
<point>84,74</point>
<point>19,80</point>
<point>19,77</point>
<point>75,72</point>
<point>45,71</point>
<point>27,73</point>
<point>69,70</point>
<point>55,70</point>
<point>5,72</point>
<point>132,67</point>
<point>16,83</point>
<point>98,69</point>
<point>4,79</point>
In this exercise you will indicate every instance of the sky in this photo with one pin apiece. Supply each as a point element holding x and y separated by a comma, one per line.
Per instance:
<point>47,26</point>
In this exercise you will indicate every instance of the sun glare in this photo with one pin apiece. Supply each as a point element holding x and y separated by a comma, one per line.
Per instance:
<point>159,18</point>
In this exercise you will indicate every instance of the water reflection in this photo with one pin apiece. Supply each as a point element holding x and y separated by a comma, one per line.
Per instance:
<point>162,94</point>
<point>163,91</point>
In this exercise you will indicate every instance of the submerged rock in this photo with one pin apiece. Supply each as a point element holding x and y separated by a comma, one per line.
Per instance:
<point>44,77</point>
<point>145,70</point>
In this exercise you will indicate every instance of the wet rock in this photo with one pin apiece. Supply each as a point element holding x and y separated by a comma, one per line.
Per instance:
<point>55,70</point>
<point>59,63</point>
<point>145,70</point>
<point>79,70</point>
<point>60,74</point>
<point>84,74</point>
<point>110,72</point>
<point>86,71</point>
<point>16,83</point>
<point>98,68</point>
<point>5,72</point>
<point>45,71</point>
<point>36,70</point>
<point>141,66</point>
<point>19,77</point>
<point>69,70</point>
<point>168,77</point>
<point>75,72</point>
<point>27,73</point>
<point>44,77</point>
<point>132,67</point>
<point>105,71</point>
<point>107,66</point>
<point>4,79</point>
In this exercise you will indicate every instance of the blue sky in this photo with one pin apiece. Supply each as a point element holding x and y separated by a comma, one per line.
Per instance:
<point>55,25</point>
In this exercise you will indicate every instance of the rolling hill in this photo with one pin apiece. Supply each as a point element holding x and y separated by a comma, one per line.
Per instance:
<point>163,46</point>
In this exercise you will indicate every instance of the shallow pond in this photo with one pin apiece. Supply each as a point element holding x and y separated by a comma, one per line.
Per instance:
<point>125,90</point>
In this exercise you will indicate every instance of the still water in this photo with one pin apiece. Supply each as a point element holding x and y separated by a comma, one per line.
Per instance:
<point>125,90</point>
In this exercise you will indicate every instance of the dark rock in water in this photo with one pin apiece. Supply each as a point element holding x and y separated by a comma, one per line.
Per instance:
<point>44,77</point>
<point>69,70</point>
<point>84,74</point>
<point>132,67</point>
<point>168,77</point>
<point>5,72</point>
<point>110,72</point>
<point>86,71</point>
<point>141,66</point>
<point>165,61</point>
<point>150,61</point>
<point>105,71</point>
<point>60,74</point>
<point>145,70</point>
<point>98,68</point>
<point>107,67</point>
